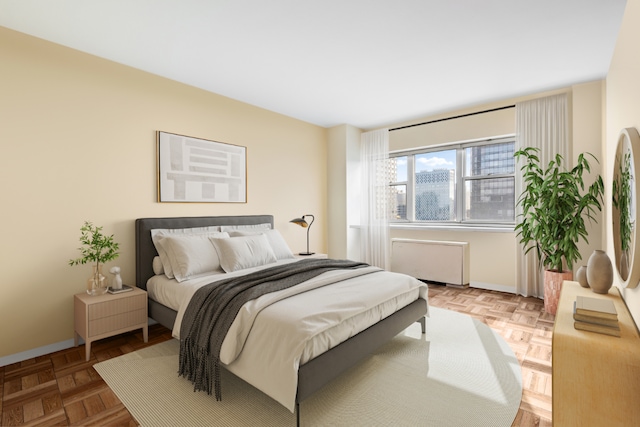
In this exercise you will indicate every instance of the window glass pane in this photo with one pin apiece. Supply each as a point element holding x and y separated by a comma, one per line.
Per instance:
<point>492,159</point>
<point>398,169</point>
<point>490,199</point>
<point>398,202</point>
<point>435,179</point>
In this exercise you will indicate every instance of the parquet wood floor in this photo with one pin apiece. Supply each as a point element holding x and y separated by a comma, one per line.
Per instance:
<point>62,389</point>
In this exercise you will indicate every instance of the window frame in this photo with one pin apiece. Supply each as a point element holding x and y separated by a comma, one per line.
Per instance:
<point>460,183</point>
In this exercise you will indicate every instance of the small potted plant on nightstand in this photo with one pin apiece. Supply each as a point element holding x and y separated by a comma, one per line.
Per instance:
<point>96,248</point>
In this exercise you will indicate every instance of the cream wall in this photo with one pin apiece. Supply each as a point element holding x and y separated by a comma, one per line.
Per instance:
<point>486,125</point>
<point>623,110</point>
<point>587,110</point>
<point>343,170</point>
<point>78,143</point>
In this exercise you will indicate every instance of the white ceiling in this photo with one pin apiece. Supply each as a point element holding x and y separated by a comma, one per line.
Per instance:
<point>368,63</point>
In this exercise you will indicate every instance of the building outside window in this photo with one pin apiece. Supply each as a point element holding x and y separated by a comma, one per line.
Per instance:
<point>398,188</point>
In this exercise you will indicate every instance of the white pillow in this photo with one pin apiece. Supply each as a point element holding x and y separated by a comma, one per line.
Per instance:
<point>158,233</point>
<point>238,253</point>
<point>157,266</point>
<point>277,242</point>
<point>192,254</point>
<point>255,227</point>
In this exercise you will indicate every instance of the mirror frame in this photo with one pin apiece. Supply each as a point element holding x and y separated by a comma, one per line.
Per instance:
<point>627,152</point>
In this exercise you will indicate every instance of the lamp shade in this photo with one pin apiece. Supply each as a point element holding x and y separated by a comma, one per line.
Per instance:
<point>303,223</point>
<point>300,221</point>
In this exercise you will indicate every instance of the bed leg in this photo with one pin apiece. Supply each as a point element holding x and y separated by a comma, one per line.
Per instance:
<point>423,324</point>
<point>297,414</point>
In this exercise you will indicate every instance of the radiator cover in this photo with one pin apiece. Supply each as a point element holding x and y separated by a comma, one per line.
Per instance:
<point>432,260</point>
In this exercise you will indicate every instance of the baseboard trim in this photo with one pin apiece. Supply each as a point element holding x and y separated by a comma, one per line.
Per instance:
<point>41,351</point>
<point>493,287</point>
<point>36,352</point>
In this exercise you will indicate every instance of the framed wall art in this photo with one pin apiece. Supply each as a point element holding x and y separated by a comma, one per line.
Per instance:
<point>198,170</point>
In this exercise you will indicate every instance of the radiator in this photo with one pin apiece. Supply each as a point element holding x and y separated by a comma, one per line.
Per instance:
<point>432,260</point>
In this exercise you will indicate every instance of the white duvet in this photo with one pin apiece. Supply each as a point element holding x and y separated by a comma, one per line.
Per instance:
<point>276,333</point>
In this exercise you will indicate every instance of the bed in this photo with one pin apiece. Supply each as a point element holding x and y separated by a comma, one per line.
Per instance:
<point>320,369</point>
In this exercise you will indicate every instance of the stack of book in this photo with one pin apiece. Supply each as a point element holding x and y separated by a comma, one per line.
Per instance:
<point>596,315</point>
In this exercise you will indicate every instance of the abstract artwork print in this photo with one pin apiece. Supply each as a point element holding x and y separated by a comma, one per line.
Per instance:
<point>198,170</point>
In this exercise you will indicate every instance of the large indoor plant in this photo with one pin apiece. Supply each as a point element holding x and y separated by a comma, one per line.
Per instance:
<point>554,206</point>
<point>96,248</point>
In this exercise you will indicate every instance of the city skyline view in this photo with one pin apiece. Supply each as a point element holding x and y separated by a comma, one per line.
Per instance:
<point>486,176</point>
<point>426,162</point>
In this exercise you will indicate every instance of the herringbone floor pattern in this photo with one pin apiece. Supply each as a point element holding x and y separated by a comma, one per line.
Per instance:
<point>62,389</point>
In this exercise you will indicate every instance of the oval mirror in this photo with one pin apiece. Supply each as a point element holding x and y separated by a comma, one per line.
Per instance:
<point>624,199</point>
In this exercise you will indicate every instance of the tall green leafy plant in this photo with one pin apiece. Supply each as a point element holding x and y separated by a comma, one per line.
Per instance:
<point>554,206</point>
<point>96,247</point>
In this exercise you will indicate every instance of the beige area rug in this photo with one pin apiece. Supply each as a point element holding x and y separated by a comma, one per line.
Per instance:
<point>461,373</point>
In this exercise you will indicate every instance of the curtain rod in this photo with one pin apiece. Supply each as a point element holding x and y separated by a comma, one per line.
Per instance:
<point>454,117</point>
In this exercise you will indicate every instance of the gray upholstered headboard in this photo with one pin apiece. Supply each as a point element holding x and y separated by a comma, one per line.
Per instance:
<point>145,250</point>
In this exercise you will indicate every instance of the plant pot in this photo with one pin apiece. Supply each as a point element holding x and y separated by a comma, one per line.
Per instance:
<point>552,287</point>
<point>599,272</point>
<point>96,284</point>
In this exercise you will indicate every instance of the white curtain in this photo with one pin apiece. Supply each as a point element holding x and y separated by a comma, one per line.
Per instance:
<point>540,123</point>
<point>374,232</point>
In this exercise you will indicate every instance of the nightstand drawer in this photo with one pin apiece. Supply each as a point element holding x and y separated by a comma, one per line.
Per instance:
<point>117,306</point>
<point>116,322</point>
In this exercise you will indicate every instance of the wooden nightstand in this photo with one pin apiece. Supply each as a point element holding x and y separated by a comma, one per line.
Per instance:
<point>97,317</point>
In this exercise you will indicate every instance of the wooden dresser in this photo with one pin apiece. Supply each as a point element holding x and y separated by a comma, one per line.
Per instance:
<point>596,377</point>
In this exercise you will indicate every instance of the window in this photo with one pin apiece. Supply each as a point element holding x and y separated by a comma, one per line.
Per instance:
<point>398,187</point>
<point>435,189</point>
<point>470,183</point>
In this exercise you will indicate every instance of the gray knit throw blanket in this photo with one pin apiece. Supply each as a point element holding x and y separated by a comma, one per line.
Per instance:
<point>213,308</point>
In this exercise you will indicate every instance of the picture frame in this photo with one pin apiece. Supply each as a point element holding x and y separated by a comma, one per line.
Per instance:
<point>198,170</point>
